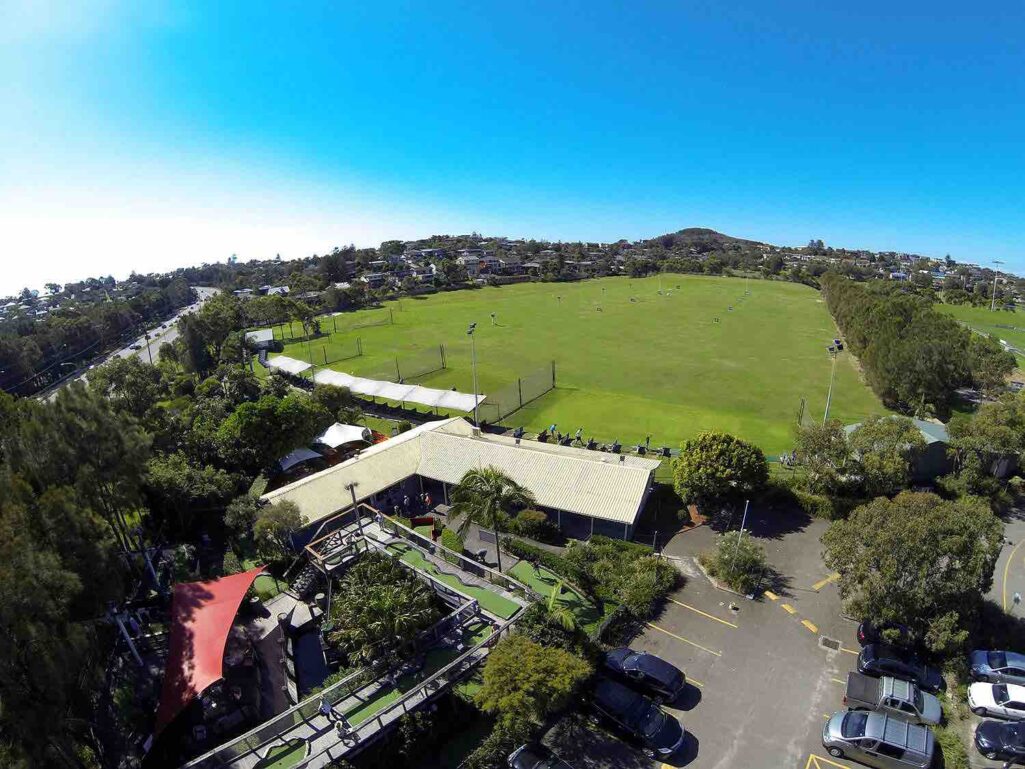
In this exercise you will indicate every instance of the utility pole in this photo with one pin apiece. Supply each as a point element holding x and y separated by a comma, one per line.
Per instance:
<point>993,299</point>
<point>355,508</point>
<point>740,534</point>
<point>834,350</point>
<point>473,364</point>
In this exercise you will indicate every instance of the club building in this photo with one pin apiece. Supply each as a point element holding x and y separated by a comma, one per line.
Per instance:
<point>583,492</point>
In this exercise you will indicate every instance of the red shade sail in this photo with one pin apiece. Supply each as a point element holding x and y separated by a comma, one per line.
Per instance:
<point>201,618</point>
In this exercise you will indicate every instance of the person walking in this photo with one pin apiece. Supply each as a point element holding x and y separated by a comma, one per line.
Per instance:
<point>427,501</point>
<point>405,504</point>
<point>327,710</point>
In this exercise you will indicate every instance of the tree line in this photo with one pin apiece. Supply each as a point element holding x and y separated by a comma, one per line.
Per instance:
<point>914,357</point>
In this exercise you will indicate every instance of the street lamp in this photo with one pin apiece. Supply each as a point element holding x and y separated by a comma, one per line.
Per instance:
<point>473,364</point>
<point>355,509</point>
<point>834,349</point>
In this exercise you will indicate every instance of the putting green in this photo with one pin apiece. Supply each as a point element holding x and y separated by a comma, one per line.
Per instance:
<point>543,581</point>
<point>667,365</point>
<point>283,756</point>
<point>489,600</point>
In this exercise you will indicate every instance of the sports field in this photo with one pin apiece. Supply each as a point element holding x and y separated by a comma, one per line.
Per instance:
<point>1003,324</point>
<point>643,364</point>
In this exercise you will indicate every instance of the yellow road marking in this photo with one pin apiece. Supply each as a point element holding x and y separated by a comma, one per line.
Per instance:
<point>790,609</point>
<point>770,595</point>
<point>820,762</point>
<point>849,651</point>
<point>696,683</point>
<point>1007,567</point>
<point>837,680</point>
<point>703,614</point>
<point>810,625</point>
<point>685,640</point>
<point>823,582</point>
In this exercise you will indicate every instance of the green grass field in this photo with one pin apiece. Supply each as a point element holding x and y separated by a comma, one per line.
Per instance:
<point>658,365</point>
<point>989,322</point>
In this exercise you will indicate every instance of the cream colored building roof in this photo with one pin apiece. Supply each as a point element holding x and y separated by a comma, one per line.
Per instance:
<point>610,487</point>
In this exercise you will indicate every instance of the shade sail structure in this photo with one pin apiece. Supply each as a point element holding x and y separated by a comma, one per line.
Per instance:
<point>288,365</point>
<point>338,435</point>
<point>297,457</point>
<point>400,393</point>
<point>201,618</point>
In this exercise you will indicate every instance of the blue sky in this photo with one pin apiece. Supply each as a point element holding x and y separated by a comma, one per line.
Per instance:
<point>148,135</point>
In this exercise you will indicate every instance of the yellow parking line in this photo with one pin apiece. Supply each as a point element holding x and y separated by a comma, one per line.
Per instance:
<point>837,680</point>
<point>696,683</point>
<point>1007,566</point>
<point>810,625</point>
<point>823,582</point>
<point>703,614</point>
<point>849,651</point>
<point>685,640</point>
<point>770,595</point>
<point>821,762</point>
<point>790,609</point>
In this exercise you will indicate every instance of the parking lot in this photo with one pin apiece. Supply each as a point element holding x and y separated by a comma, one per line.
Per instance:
<point>764,674</point>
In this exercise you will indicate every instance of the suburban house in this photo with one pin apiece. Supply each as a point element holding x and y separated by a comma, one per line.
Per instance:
<point>933,460</point>
<point>583,492</point>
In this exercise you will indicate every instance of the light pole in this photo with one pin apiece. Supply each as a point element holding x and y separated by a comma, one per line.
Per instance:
<point>355,508</point>
<point>834,350</point>
<point>473,364</point>
<point>740,534</point>
<point>993,299</point>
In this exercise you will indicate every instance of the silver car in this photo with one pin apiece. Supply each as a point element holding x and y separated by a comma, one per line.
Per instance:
<point>879,740</point>
<point>998,667</point>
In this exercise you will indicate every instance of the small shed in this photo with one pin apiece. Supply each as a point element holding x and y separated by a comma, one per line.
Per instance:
<point>932,461</point>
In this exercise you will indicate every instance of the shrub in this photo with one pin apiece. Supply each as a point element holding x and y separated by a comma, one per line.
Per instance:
<point>535,525</point>
<point>450,539</point>
<point>404,426</point>
<point>494,751</point>
<point>740,566</point>
<point>232,565</point>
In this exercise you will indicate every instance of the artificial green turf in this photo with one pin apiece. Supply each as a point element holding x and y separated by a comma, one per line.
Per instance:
<point>656,366</point>
<point>488,599</point>
<point>982,319</point>
<point>543,581</point>
<point>370,707</point>
<point>284,756</point>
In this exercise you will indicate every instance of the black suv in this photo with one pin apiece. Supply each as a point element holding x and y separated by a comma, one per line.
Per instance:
<point>871,632</point>
<point>646,672</point>
<point>535,756</point>
<point>1000,741</point>
<point>637,717</point>
<point>882,660</point>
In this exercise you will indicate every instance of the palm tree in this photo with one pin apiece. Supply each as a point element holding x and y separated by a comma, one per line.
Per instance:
<point>487,496</point>
<point>558,611</point>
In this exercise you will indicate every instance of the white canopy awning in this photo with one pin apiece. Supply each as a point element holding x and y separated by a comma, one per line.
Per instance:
<point>288,365</point>
<point>338,435</point>
<point>297,457</point>
<point>400,393</point>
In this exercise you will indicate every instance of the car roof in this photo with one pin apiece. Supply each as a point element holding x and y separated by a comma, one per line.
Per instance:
<point>902,690</point>
<point>897,732</point>
<point>614,695</point>
<point>653,666</point>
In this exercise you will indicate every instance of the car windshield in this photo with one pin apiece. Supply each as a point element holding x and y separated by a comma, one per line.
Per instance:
<point>854,724</point>
<point>651,721</point>
<point>997,660</point>
<point>1000,693</point>
<point>919,700</point>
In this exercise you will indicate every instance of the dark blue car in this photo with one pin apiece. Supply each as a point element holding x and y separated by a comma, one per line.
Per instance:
<point>646,672</point>
<point>637,717</point>
<point>1001,741</point>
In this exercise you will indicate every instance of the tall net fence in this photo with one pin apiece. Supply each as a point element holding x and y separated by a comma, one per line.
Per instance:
<point>407,367</point>
<point>517,394</point>
<point>334,350</point>
<point>365,319</point>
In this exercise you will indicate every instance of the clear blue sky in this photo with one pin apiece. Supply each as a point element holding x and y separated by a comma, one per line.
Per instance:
<point>179,133</point>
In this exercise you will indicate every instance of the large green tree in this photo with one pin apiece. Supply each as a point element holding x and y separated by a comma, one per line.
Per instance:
<point>488,497</point>
<point>718,469</point>
<point>884,449</point>
<point>917,559</point>
<point>524,682</point>
<point>260,432</point>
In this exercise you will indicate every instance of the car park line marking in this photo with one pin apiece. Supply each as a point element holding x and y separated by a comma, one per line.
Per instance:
<point>810,625</point>
<point>823,582</point>
<point>770,595</point>
<point>837,681</point>
<point>820,762</point>
<point>696,683</point>
<point>685,640</point>
<point>789,609</point>
<point>703,614</point>
<point>849,651</point>
<point>1007,567</point>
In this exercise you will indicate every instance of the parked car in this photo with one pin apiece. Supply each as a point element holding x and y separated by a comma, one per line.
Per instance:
<point>136,346</point>
<point>883,660</point>
<point>879,740</point>
<point>1000,700</point>
<point>902,699</point>
<point>637,717</point>
<point>535,756</point>
<point>871,633</point>
<point>1000,741</point>
<point>650,674</point>
<point>998,667</point>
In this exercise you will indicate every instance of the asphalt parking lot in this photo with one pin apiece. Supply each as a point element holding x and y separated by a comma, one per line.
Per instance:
<point>762,682</point>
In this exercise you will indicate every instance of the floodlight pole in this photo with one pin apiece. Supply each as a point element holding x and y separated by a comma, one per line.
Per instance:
<point>829,395</point>
<point>740,534</point>
<point>473,365</point>
<point>993,299</point>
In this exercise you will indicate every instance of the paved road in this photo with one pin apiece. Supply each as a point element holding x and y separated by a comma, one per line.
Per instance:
<point>150,351</point>
<point>1009,575</point>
